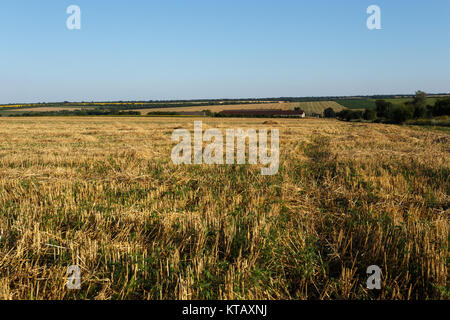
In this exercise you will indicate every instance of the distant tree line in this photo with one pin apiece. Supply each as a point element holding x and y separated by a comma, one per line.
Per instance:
<point>388,112</point>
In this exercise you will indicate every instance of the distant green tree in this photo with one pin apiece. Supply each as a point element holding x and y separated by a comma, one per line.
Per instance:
<point>419,104</point>
<point>420,99</point>
<point>401,113</point>
<point>342,114</point>
<point>329,113</point>
<point>350,115</point>
<point>369,115</point>
<point>419,112</point>
<point>383,108</point>
<point>355,115</point>
<point>441,108</point>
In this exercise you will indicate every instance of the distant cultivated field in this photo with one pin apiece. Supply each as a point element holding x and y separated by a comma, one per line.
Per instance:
<point>357,104</point>
<point>103,194</point>
<point>44,109</point>
<point>218,108</point>
<point>308,107</point>
<point>320,106</point>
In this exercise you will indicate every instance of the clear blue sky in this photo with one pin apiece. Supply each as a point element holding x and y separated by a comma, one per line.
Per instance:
<point>141,50</point>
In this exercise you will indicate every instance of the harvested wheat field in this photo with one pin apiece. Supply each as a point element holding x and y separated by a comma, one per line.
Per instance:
<point>103,194</point>
<point>221,107</point>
